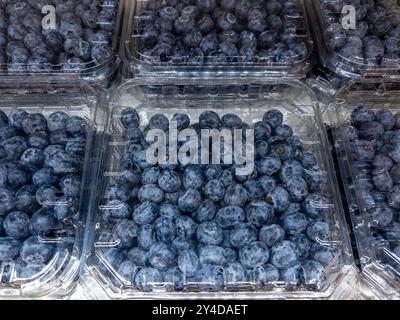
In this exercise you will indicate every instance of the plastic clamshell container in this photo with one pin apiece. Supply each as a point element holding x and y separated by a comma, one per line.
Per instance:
<point>57,277</point>
<point>249,102</point>
<point>91,70</point>
<point>379,262</point>
<point>146,64</point>
<point>325,17</point>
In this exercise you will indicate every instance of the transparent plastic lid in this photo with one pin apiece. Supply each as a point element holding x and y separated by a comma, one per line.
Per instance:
<point>358,38</point>
<point>189,230</point>
<point>367,122</point>
<point>47,134</point>
<point>197,38</point>
<point>49,36</point>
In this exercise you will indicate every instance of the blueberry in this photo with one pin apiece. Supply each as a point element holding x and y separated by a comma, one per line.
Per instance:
<point>145,213</point>
<point>209,277</point>
<point>209,120</point>
<point>9,248</point>
<point>17,117</point>
<point>14,147</point>
<point>33,251</point>
<point>236,195</point>
<point>184,23</point>
<point>189,201</point>
<point>137,256</point>
<point>273,118</point>
<point>209,233</point>
<point>193,38</point>
<point>229,36</point>
<point>229,52</point>
<point>47,195</point>
<point>185,227</point>
<point>38,140</point>
<point>254,254</point>
<point>116,209</point>
<point>382,216</point>
<point>206,211</point>
<point>266,274</point>
<point>188,262</point>
<point>279,198</point>
<point>235,274</point>
<point>43,222</point>
<point>267,183</point>
<point>126,271</point>
<point>262,149</point>
<point>146,278</point>
<point>16,225</point>
<point>243,235</point>
<point>362,115</point>
<point>161,257</point>
<point>165,229</point>
<point>212,255</point>
<point>232,121</point>
<point>25,199</point>
<point>382,181</point>
<point>323,254</point>
<point>254,189</point>
<point>269,166</point>
<point>318,231</point>
<point>214,190</point>
<point>206,6</point>
<point>303,245</point>
<point>76,127</point>
<point>316,205</point>
<point>362,150</point>
<point>271,235</point>
<point>126,231</point>
<point>175,278</point>
<point>169,13</point>
<point>130,118</point>
<point>180,244</point>
<point>284,255</point>
<point>7,200</point>
<point>297,188</point>
<point>193,177</point>
<point>168,210</point>
<point>146,236</point>
<point>44,177</point>
<point>291,276</point>
<point>259,214</point>
<point>212,172</point>
<point>230,216</point>
<point>66,208</point>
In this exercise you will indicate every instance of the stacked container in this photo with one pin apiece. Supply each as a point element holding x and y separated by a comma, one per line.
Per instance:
<point>46,191</point>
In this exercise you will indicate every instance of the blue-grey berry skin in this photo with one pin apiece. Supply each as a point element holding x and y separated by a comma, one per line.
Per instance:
<point>130,118</point>
<point>209,233</point>
<point>7,200</point>
<point>126,271</point>
<point>25,199</point>
<point>165,229</point>
<point>284,255</point>
<point>318,231</point>
<point>254,254</point>
<point>43,222</point>
<point>175,278</point>
<point>269,166</point>
<point>212,255</point>
<point>9,248</point>
<point>193,177</point>
<point>266,274</point>
<point>16,225</point>
<point>279,199</point>
<point>291,276</point>
<point>146,278</point>
<point>236,195</point>
<point>313,274</point>
<point>126,231</point>
<point>382,216</point>
<point>150,193</point>
<point>259,214</point>
<point>57,121</point>
<point>267,183</point>
<point>230,216</point>
<point>273,118</point>
<point>146,213</point>
<point>316,206</point>
<point>115,210</point>
<point>188,262</point>
<point>168,210</point>
<point>146,236</point>
<point>235,274</point>
<point>138,256</point>
<point>294,224</point>
<point>243,235</point>
<point>324,254</point>
<point>214,190</point>
<point>35,251</point>
<point>169,181</point>
<point>161,256</point>
<point>303,245</point>
<point>185,227</point>
<point>206,211</point>
<point>189,201</point>
<point>271,235</point>
<point>209,277</point>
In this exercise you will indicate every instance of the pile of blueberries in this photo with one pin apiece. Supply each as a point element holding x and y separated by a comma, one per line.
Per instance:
<point>82,37</point>
<point>376,39</point>
<point>374,139</point>
<point>40,186</point>
<point>222,31</point>
<point>205,226</point>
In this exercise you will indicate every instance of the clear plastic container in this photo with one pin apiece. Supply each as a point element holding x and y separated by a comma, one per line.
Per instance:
<point>376,233</point>
<point>359,45</point>
<point>123,274</point>
<point>83,42</point>
<point>42,232</point>
<point>285,52</point>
